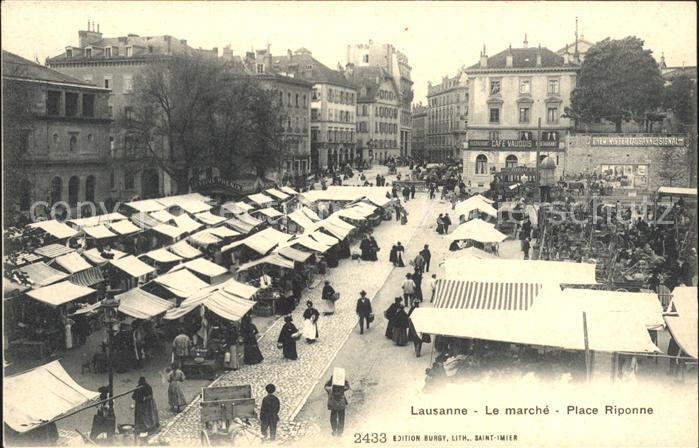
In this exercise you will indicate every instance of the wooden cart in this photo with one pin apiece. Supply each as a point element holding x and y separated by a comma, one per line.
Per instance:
<point>220,405</point>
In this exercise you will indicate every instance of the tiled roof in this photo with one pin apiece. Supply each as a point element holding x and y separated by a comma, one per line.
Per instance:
<point>304,66</point>
<point>522,58</point>
<point>18,67</point>
<point>366,77</point>
<point>144,46</point>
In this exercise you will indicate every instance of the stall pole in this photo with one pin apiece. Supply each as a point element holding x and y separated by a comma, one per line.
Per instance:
<point>587,348</point>
<point>538,139</point>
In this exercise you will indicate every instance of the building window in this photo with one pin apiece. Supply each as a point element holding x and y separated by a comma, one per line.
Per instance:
<point>315,95</point>
<point>494,115</point>
<point>549,136</point>
<point>511,161</point>
<point>129,52</point>
<point>73,143</point>
<point>108,52</point>
<point>494,135</point>
<point>305,104</point>
<point>525,135</point>
<point>481,164</point>
<point>524,115</point>
<point>69,53</point>
<point>494,86</point>
<point>128,84</point>
<point>88,52</point>
<point>71,104</point>
<point>365,58</point>
<point>129,180</point>
<point>90,188</point>
<point>55,138</point>
<point>525,87</point>
<point>128,113</point>
<point>260,68</point>
<point>107,82</point>
<point>553,87</point>
<point>297,100</point>
<point>88,105</point>
<point>288,99</point>
<point>56,190</point>
<point>73,190</point>
<point>552,115</point>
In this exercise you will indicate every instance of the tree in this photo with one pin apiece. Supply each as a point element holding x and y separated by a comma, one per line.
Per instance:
<point>619,81</point>
<point>206,117</point>
<point>680,97</point>
<point>673,168</point>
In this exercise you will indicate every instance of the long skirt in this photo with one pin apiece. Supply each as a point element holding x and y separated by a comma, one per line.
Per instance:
<point>399,260</point>
<point>400,336</point>
<point>252,354</point>
<point>289,350</point>
<point>310,329</point>
<point>146,416</point>
<point>389,330</point>
<point>328,307</point>
<point>175,394</point>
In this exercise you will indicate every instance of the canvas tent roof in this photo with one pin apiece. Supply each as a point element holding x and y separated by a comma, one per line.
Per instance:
<point>301,219</point>
<point>146,205</point>
<point>457,294</point>
<point>209,218</point>
<point>163,216</point>
<point>313,216</point>
<point>352,213</point>
<point>238,289</point>
<point>323,238</point>
<point>53,250</point>
<point>474,252</point>
<point>72,262</point>
<point>645,306</point>
<point>187,224</point>
<point>218,301</point>
<point>260,199</point>
<point>678,191</point>
<point>261,242</point>
<point>682,319</point>
<point>294,254</point>
<point>60,293</point>
<point>170,231</point>
<point>477,230</point>
<point>277,194</point>
<point>144,221</point>
<point>54,228</point>
<point>99,232</point>
<point>124,227</point>
<point>273,259</point>
<point>239,226</point>
<point>132,266</point>
<point>250,220</point>
<point>88,277</point>
<point>607,331</point>
<point>140,304</point>
<point>97,220</point>
<point>204,238</point>
<point>93,255</point>
<point>309,243</point>
<point>189,205</point>
<point>336,226</point>
<point>41,274</point>
<point>289,190</point>
<point>269,212</point>
<point>223,232</point>
<point>162,255</point>
<point>532,271</point>
<point>237,207</point>
<point>40,395</point>
<point>202,266</point>
<point>181,283</point>
<point>184,250</point>
<point>475,203</point>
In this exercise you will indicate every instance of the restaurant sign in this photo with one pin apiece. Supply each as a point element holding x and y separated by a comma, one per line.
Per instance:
<point>513,144</point>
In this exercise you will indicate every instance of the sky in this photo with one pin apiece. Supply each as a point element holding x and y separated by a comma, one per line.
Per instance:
<point>437,37</point>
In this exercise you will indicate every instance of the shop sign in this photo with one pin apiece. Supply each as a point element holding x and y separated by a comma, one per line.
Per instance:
<point>650,140</point>
<point>514,144</point>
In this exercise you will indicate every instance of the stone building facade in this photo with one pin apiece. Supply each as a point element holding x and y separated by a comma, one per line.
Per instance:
<point>508,94</point>
<point>65,145</point>
<point>419,117</point>
<point>447,117</point>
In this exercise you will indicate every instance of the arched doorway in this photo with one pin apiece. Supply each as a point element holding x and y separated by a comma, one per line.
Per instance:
<point>150,183</point>
<point>56,189</point>
<point>511,162</point>
<point>73,190</point>
<point>90,188</point>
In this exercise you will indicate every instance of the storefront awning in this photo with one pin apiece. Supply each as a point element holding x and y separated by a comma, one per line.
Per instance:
<point>132,266</point>
<point>140,304</point>
<point>607,331</point>
<point>93,256</point>
<point>162,255</point>
<point>39,274</point>
<point>524,271</point>
<point>457,294</point>
<point>54,228</point>
<point>40,395</point>
<point>202,266</point>
<point>72,263</point>
<point>181,283</point>
<point>277,194</point>
<point>89,277</point>
<point>271,259</point>
<point>59,293</point>
<point>124,227</point>
<point>53,250</point>
<point>682,318</point>
<point>678,191</point>
<point>209,218</point>
<point>260,199</point>
<point>184,250</point>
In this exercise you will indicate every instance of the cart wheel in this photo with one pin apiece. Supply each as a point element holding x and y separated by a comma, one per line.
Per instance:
<point>205,441</point>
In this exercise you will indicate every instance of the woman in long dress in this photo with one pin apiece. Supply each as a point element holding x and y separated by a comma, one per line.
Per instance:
<point>399,255</point>
<point>365,247</point>
<point>374,248</point>
<point>287,339</point>
<point>175,394</point>
<point>145,410</point>
<point>310,323</point>
<point>328,296</point>
<point>401,322</point>
<point>251,351</point>
<point>390,315</point>
<point>392,255</point>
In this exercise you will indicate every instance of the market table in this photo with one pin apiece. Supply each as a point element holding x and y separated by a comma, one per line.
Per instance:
<point>205,369</point>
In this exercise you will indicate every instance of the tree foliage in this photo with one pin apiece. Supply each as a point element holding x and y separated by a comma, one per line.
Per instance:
<point>680,97</point>
<point>194,114</point>
<point>619,81</point>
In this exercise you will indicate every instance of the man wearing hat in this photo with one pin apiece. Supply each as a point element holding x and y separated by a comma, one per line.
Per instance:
<point>363,311</point>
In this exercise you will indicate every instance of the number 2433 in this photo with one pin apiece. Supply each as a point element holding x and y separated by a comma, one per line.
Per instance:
<point>374,437</point>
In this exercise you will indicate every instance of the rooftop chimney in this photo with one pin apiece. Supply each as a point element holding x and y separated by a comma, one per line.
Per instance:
<point>484,58</point>
<point>526,42</point>
<point>508,57</point>
<point>662,60</point>
<point>538,57</point>
<point>90,36</point>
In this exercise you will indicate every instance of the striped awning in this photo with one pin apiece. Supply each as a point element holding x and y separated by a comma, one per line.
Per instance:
<point>53,250</point>
<point>88,277</point>
<point>485,295</point>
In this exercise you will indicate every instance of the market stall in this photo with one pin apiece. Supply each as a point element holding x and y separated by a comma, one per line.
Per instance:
<point>536,271</point>
<point>162,259</point>
<point>209,218</point>
<point>176,285</point>
<point>184,250</point>
<point>261,200</point>
<point>236,208</point>
<point>255,245</point>
<point>95,257</point>
<point>56,230</point>
<point>131,272</point>
<point>52,251</point>
<point>273,275</point>
<point>206,270</point>
<point>681,318</point>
